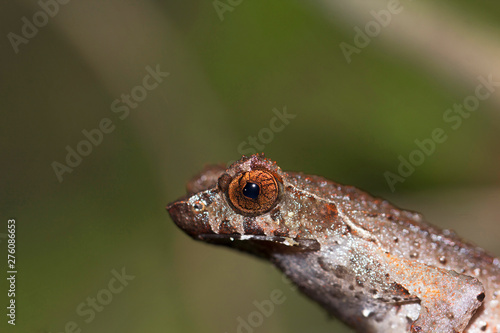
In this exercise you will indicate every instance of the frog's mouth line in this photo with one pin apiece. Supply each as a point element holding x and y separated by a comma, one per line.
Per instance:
<point>303,244</point>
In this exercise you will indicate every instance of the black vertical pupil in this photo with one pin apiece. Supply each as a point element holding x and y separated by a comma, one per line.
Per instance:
<point>251,190</point>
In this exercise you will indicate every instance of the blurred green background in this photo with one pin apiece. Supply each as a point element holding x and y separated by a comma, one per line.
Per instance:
<point>352,121</point>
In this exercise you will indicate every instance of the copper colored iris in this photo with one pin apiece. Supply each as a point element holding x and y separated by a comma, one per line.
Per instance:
<point>254,192</point>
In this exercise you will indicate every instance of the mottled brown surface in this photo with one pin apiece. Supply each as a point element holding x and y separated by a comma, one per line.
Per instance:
<point>376,267</point>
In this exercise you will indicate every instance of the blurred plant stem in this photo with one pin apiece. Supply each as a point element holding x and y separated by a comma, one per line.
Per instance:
<point>440,40</point>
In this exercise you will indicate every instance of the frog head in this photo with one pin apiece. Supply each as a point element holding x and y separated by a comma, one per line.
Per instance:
<point>255,206</point>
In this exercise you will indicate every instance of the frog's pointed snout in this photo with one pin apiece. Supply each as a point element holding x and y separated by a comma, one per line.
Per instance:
<point>179,212</point>
<point>172,207</point>
<point>188,218</point>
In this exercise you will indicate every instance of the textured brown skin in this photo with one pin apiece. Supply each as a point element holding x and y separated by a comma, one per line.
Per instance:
<point>376,267</point>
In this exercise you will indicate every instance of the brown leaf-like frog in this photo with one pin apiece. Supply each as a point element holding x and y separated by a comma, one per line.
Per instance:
<point>376,267</point>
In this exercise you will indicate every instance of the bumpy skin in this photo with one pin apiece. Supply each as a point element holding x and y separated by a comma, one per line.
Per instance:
<point>374,266</point>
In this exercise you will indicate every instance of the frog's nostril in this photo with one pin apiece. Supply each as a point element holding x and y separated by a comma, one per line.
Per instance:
<point>198,206</point>
<point>186,218</point>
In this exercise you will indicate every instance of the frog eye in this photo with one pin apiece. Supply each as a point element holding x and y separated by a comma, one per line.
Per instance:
<point>253,192</point>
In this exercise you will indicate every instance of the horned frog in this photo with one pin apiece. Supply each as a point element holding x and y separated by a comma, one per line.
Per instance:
<point>376,267</point>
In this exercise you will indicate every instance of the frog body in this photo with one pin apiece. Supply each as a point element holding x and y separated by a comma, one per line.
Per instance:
<point>374,266</point>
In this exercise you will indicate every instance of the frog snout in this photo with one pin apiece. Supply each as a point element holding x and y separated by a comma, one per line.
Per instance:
<point>188,217</point>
